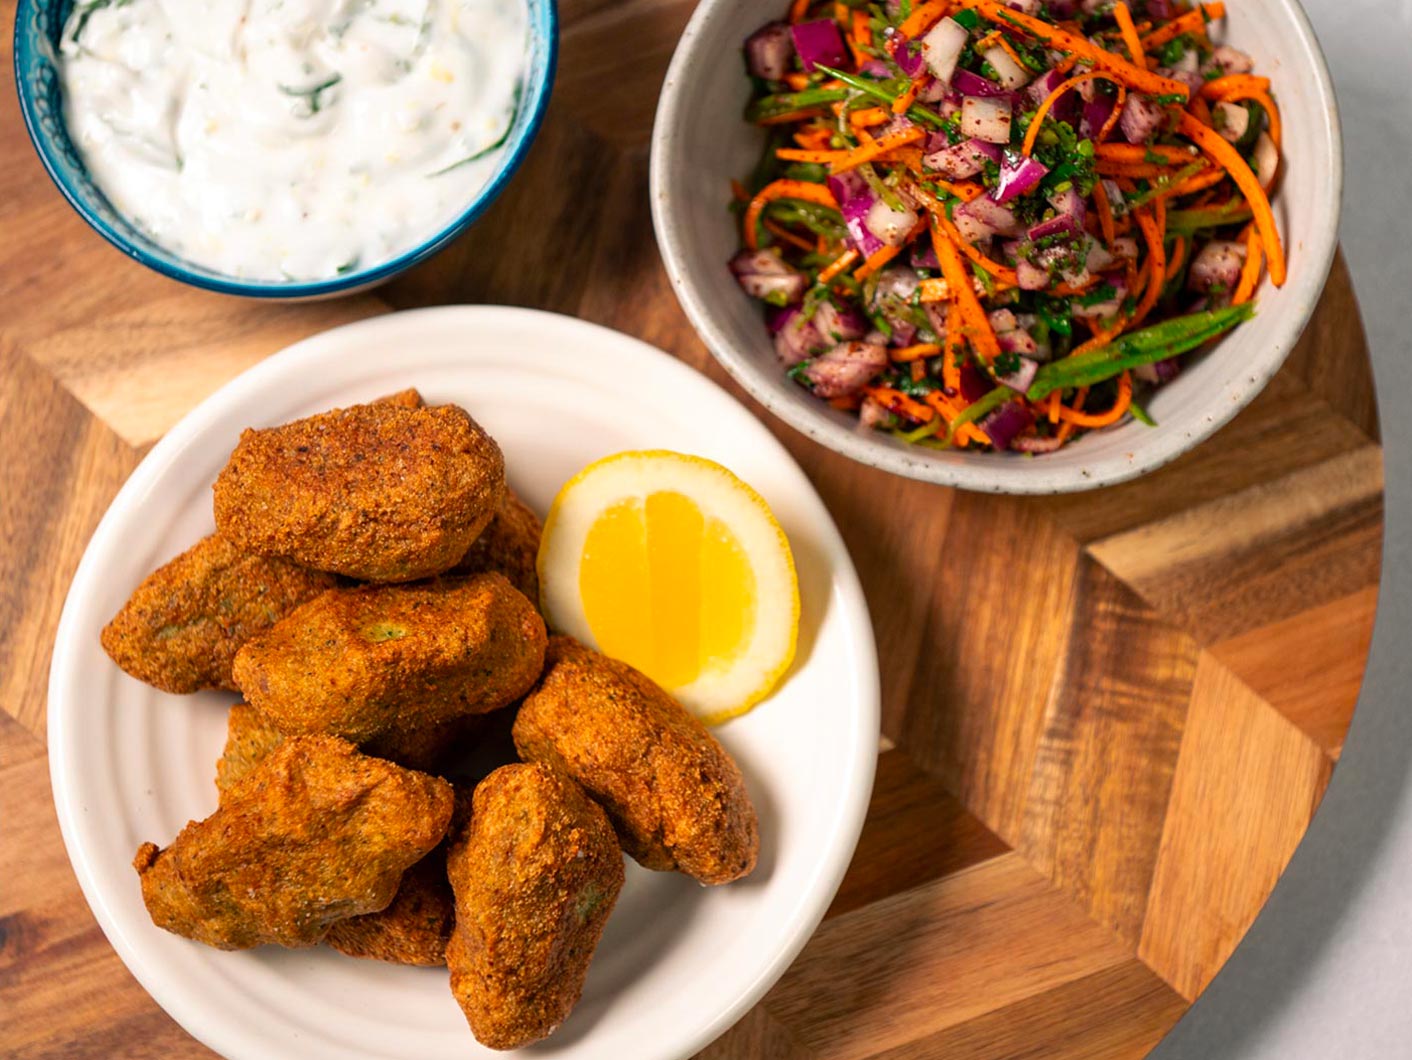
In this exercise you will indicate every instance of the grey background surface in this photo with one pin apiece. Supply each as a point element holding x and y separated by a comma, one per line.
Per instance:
<point>1326,972</point>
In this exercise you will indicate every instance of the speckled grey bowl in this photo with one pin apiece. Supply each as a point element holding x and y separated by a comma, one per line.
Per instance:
<point>700,142</point>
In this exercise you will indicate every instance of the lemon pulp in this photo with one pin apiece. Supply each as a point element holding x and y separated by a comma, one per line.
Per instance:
<point>667,589</point>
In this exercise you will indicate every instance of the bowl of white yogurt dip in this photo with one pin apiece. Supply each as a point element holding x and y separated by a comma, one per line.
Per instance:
<point>283,148</point>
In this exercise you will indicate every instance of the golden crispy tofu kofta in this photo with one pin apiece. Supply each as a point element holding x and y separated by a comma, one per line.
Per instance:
<point>414,929</point>
<point>182,627</point>
<point>383,665</point>
<point>316,832</point>
<point>381,492</point>
<point>675,796</point>
<point>536,874</point>
<point>509,545</point>
<point>250,739</point>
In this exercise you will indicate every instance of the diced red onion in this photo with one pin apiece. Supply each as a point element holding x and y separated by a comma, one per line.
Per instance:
<point>892,297</point>
<point>1100,310</point>
<point>1191,78</point>
<point>1063,9</point>
<point>763,273</point>
<point>819,43</point>
<point>1012,75</point>
<point>1229,60</point>
<point>1160,372</point>
<point>905,54</point>
<point>846,368</point>
<point>1031,276</point>
<point>959,161</point>
<point>933,91</point>
<point>1069,203</point>
<point>1096,113</point>
<point>1026,7</point>
<point>969,84</point>
<point>1018,174</point>
<point>768,51</point>
<point>890,225</point>
<point>1218,262</point>
<point>1021,378</point>
<point>855,201</point>
<point>876,68</point>
<point>942,46</point>
<point>1031,443</point>
<point>796,338</point>
<point>1066,107</point>
<point>1141,118</point>
<point>1126,248</point>
<point>1097,258</point>
<point>924,255</point>
<point>873,413</point>
<point>997,220</point>
<point>1059,225</point>
<point>1231,119</point>
<point>1117,202</point>
<point>1002,320</point>
<point>1160,9</point>
<point>1006,422</point>
<point>986,119</point>
<point>1018,341</point>
<point>1265,160</point>
<point>975,384</point>
<point>837,324</point>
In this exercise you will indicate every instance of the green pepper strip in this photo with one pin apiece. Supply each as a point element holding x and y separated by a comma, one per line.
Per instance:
<point>1171,338</point>
<point>1188,222</point>
<point>769,106</point>
<point>916,111</point>
<point>979,408</point>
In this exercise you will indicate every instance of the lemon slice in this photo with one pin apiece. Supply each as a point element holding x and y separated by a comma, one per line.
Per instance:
<point>675,566</point>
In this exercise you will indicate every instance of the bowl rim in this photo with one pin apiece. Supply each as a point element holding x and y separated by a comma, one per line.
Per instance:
<point>543,18</point>
<point>988,472</point>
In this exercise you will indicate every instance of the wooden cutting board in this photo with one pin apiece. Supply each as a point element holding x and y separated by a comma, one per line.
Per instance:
<point>1107,718</point>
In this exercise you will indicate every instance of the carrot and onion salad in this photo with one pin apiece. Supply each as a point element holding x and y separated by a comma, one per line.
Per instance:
<point>999,225</point>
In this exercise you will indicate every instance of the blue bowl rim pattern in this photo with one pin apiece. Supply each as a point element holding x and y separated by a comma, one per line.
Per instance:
<point>539,84</point>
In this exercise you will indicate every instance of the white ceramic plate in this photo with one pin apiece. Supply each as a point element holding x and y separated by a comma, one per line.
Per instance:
<point>679,963</point>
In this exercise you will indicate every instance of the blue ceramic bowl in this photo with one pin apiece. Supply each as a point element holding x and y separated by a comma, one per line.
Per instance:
<point>38,24</point>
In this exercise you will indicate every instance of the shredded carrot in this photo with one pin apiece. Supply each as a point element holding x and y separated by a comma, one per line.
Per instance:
<point>814,139</point>
<point>965,190</point>
<point>1226,156</point>
<point>951,349</point>
<point>923,17</point>
<point>1139,78</point>
<point>1140,170</point>
<point>1113,115</point>
<point>1120,407</point>
<point>790,117</point>
<point>880,146</point>
<point>1250,271</point>
<point>779,231</point>
<point>1156,263</point>
<point>1033,131</point>
<point>1178,256</point>
<point>859,36</point>
<point>790,154</point>
<point>1193,21</point>
<point>1105,213</point>
<point>1208,178</point>
<point>848,403</point>
<point>798,9</point>
<point>796,81</point>
<point>1199,108</point>
<point>869,116</point>
<point>1124,18</point>
<point>937,209</point>
<point>1067,427</point>
<point>916,352</point>
<point>876,260</point>
<point>906,98</point>
<point>840,264</point>
<point>897,401</point>
<point>738,192</point>
<point>1175,156</point>
<point>1219,88</point>
<point>783,189</point>
<point>972,314</point>
<point>1054,400</point>
<point>935,290</point>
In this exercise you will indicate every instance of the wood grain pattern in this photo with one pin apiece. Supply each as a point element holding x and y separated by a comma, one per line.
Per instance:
<point>1107,718</point>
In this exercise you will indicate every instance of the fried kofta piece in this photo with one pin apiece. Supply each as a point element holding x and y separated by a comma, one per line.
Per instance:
<point>536,874</point>
<point>181,629</point>
<point>381,492</point>
<point>250,739</point>
<point>414,929</point>
<point>509,545</point>
<point>411,398</point>
<point>385,665</point>
<point>316,832</point>
<point>675,796</point>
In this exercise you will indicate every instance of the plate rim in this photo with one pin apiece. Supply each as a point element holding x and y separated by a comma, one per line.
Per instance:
<point>170,447</point>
